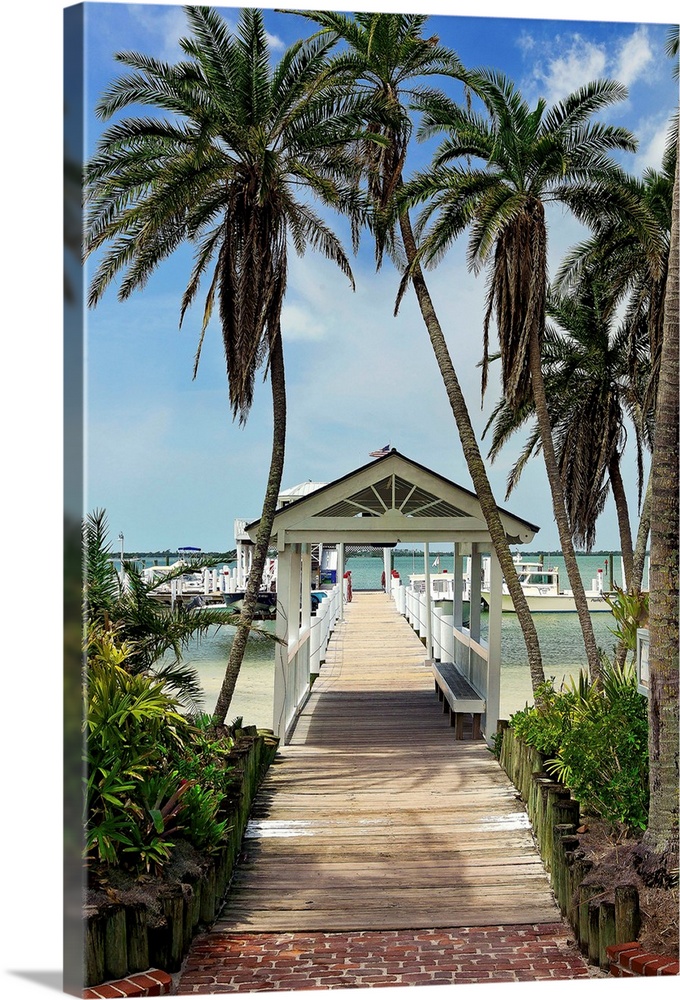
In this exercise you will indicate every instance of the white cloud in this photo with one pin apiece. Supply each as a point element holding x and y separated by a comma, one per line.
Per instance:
<point>653,137</point>
<point>298,323</point>
<point>168,25</point>
<point>634,57</point>
<point>581,62</point>
<point>275,42</point>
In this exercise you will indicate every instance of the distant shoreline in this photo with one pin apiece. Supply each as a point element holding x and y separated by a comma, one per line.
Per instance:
<point>230,555</point>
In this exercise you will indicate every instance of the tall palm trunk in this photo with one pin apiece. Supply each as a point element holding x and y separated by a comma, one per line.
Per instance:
<point>661,836</point>
<point>559,505</point>
<point>623,518</point>
<point>473,458</point>
<point>641,540</point>
<point>278,386</point>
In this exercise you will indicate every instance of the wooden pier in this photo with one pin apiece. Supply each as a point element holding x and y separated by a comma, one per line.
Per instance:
<point>375,817</point>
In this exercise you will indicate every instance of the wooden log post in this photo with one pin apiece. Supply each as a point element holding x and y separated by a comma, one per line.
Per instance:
<point>535,793</point>
<point>567,811</point>
<point>607,931</point>
<point>579,870</point>
<point>223,869</point>
<point>188,891</point>
<point>594,927</point>
<point>208,899</point>
<point>166,947</point>
<point>586,893</point>
<point>627,913</point>
<point>137,927</point>
<point>116,943</point>
<point>551,793</point>
<point>95,937</point>
<point>563,841</point>
<point>195,907</point>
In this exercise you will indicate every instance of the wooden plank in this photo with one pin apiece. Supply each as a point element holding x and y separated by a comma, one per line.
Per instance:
<point>375,817</point>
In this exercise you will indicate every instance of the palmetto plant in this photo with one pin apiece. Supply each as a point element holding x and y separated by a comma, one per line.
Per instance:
<point>529,157</point>
<point>232,159</point>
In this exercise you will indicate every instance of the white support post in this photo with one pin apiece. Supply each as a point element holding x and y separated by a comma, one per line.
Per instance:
<point>457,586</point>
<point>475,592</point>
<point>493,687</point>
<point>306,586</point>
<point>280,650</point>
<point>428,602</point>
<point>387,569</point>
<point>339,575</point>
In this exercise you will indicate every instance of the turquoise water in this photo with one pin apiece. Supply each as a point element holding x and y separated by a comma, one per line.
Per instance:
<point>559,635</point>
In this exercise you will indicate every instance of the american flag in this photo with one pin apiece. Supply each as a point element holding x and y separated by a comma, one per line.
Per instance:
<point>379,454</point>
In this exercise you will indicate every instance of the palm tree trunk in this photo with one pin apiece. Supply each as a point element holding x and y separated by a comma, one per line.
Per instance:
<point>559,506</point>
<point>642,539</point>
<point>473,458</point>
<point>661,836</point>
<point>278,385</point>
<point>623,517</point>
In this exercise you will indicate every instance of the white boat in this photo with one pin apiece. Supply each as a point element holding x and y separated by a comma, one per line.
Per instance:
<point>541,588</point>
<point>441,585</point>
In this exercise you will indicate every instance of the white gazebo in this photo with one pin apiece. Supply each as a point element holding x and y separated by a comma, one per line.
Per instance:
<point>390,501</point>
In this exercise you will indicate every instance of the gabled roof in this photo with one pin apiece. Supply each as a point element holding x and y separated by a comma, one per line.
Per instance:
<point>392,499</point>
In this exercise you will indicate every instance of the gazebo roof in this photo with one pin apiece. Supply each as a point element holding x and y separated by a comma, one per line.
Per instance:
<point>391,499</point>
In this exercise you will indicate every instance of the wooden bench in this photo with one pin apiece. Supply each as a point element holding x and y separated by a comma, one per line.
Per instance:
<point>459,698</point>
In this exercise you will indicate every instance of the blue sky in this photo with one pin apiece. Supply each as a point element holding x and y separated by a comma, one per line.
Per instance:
<point>164,457</point>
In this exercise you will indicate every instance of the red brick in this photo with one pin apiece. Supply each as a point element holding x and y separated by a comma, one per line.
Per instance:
<point>108,991</point>
<point>127,988</point>
<point>638,962</point>
<point>619,952</point>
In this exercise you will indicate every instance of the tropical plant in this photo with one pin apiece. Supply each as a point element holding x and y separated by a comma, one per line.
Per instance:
<point>595,383</point>
<point>121,607</point>
<point>130,724</point>
<point>593,736</point>
<point>225,170</point>
<point>144,783</point>
<point>631,612</point>
<point>388,60</point>
<point>530,157</point>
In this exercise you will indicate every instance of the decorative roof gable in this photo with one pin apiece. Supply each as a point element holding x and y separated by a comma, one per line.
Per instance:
<point>391,499</point>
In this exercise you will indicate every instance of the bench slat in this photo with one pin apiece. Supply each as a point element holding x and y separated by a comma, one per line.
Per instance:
<point>457,690</point>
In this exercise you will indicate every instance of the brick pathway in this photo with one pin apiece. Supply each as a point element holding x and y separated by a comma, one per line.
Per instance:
<point>247,963</point>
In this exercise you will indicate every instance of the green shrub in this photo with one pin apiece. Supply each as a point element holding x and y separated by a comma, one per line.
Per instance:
<point>199,815</point>
<point>595,736</point>
<point>206,760</point>
<point>544,724</point>
<point>151,776</point>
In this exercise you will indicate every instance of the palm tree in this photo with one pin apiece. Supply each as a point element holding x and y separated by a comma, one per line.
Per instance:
<point>633,262</point>
<point>594,383</point>
<point>385,58</point>
<point>226,170</point>
<point>661,836</point>
<point>531,157</point>
<point>122,606</point>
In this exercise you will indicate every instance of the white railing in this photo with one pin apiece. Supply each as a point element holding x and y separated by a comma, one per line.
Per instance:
<point>303,656</point>
<point>449,643</point>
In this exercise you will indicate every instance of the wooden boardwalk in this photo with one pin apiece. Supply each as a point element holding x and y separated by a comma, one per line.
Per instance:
<point>375,817</point>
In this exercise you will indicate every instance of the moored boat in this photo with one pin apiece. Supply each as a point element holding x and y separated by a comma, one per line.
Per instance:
<point>541,587</point>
